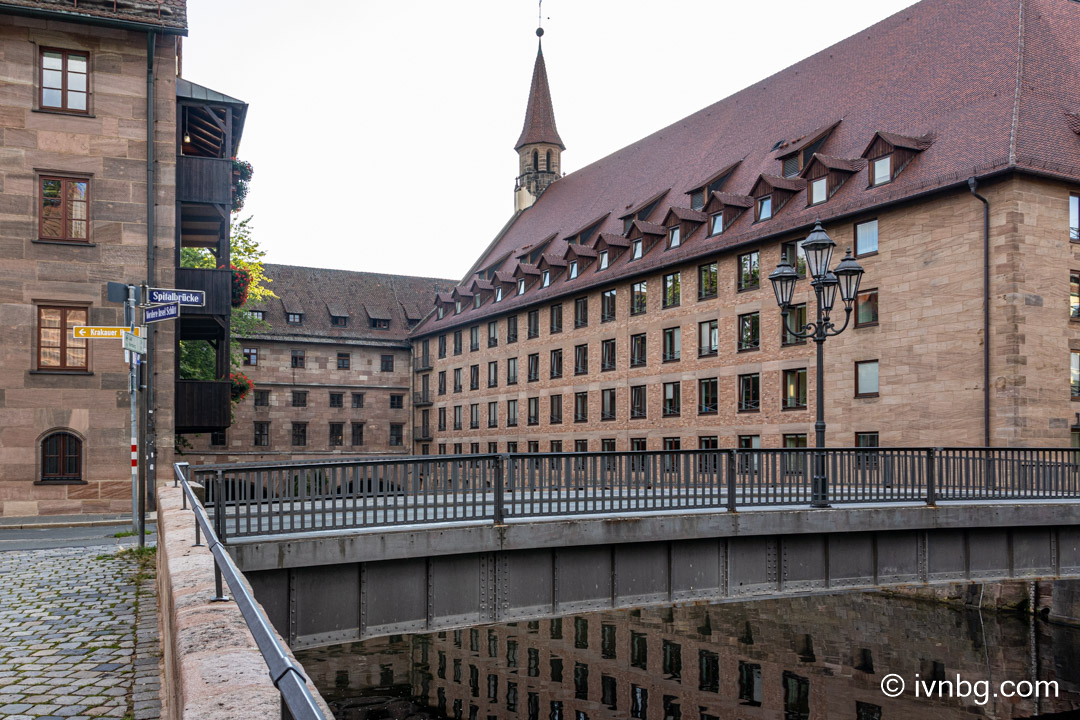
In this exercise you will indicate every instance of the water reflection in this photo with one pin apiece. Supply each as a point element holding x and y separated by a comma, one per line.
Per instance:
<point>792,658</point>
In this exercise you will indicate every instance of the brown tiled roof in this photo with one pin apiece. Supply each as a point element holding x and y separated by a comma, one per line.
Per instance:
<point>995,105</point>
<point>902,141</point>
<point>319,293</point>
<point>526,269</point>
<point>787,148</point>
<point>794,184</point>
<point>166,14</point>
<point>556,259</point>
<point>713,176</point>
<point>539,114</point>
<point>686,214</point>
<point>835,163</point>
<point>725,198</point>
<point>613,240</point>
<point>581,251</point>
<point>647,228</point>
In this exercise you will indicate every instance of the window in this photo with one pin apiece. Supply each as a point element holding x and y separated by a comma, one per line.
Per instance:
<point>866,378</point>
<point>639,650</point>
<point>376,323</point>
<point>796,320</point>
<point>607,404</point>
<point>476,302</point>
<point>251,356</point>
<point>474,416</point>
<point>457,380</point>
<point>533,326</point>
<point>581,312</point>
<point>866,439</point>
<point>706,275</point>
<point>498,294</point>
<point>299,433</point>
<point>708,338</point>
<point>607,306</point>
<point>61,458</point>
<point>866,308</point>
<point>397,434</point>
<point>707,396</point>
<point>749,684</point>
<point>358,398</point>
<point>716,223</point>
<point>602,260</point>
<point>796,697</point>
<point>256,314</point>
<point>581,359</point>
<point>674,237</point>
<point>866,238</point>
<point>764,207</point>
<point>581,407</point>
<point>672,399</point>
<point>1074,296</point>
<point>819,191</point>
<point>65,81</point>
<point>521,286</point>
<point>387,363</point>
<point>556,363</point>
<point>867,711</point>
<point>534,367</point>
<point>511,329</point>
<point>672,344</point>
<point>672,289</point>
<point>294,318</point>
<point>457,417</point>
<point>708,442</point>
<point>881,170</point>
<point>262,434</point>
<point>533,410</point>
<point>58,349</point>
<point>457,342</point>
<point>511,414</point>
<point>442,346</point>
<point>556,447</point>
<point>545,280</point>
<point>474,338</point>
<point>358,433</point>
<point>337,400</point>
<point>63,209</point>
<point>442,382</point>
<point>749,331</point>
<point>442,423</point>
<point>474,377</point>
<point>794,389</point>
<point>635,249</point>
<point>555,414</point>
<point>299,398</point>
<point>533,446</point>
<point>337,434</point>
<point>792,253</point>
<point>493,414</point>
<point>1074,218</point>
<point>262,398</point>
<point>638,350</point>
<point>607,355</point>
<point>749,393</point>
<point>555,316</point>
<point>457,307</point>
<point>749,271</point>
<point>298,359</point>
<point>639,295</point>
<point>638,408</point>
<point>572,271</point>
<point>511,371</point>
<point>397,402</point>
<point>493,334</point>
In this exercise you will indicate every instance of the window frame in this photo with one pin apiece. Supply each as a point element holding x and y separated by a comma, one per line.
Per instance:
<point>871,168</point>
<point>712,348</point>
<point>581,312</point>
<point>639,291</point>
<point>671,407</point>
<point>67,340</point>
<point>761,204</point>
<point>63,454</point>
<point>555,319</point>
<point>63,107</point>
<point>802,389</point>
<point>877,238</point>
<point>811,187</point>
<point>746,405</point>
<point>608,298</point>
<point>671,290</point>
<point>608,355</point>
<point>66,218</point>
<point>702,294</point>
<point>703,408</point>
<point>858,390</point>
<point>344,361</point>
<point>876,305</point>
<point>260,431</point>
<point>742,319</point>
<point>790,339</point>
<point>641,360</point>
<point>671,336</point>
<point>639,410</point>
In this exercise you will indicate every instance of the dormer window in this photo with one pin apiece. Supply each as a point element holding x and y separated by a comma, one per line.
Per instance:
<point>439,312</point>
<point>635,249</point>
<point>457,307</point>
<point>819,190</point>
<point>294,318</point>
<point>626,223</point>
<point>602,263</point>
<point>697,199</point>
<point>339,320</point>
<point>716,223</point>
<point>521,286</point>
<point>881,170</point>
<point>498,294</point>
<point>476,301</point>
<point>379,324</point>
<point>547,279</point>
<point>764,207</point>
<point>791,166</point>
<point>674,236</point>
<point>573,271</point>
<point>256,314</point>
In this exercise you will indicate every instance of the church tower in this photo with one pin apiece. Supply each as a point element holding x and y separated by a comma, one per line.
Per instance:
<point>539,148</point>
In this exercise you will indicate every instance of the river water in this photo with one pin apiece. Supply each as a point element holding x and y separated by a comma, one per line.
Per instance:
<point>796,658</point>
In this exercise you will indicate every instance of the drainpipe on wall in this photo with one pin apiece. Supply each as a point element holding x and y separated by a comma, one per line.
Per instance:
<point>149,439</point>
<point>972,185</point>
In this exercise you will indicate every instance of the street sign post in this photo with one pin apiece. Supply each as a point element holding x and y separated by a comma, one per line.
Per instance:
<point>161,312</point>
<point>91,332</point>
<point>165,296</point>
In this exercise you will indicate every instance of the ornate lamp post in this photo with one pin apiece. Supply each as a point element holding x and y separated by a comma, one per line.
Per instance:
<point>818,248</point>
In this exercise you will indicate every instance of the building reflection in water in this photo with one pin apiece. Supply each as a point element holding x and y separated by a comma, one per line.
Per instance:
<point>792,658</point>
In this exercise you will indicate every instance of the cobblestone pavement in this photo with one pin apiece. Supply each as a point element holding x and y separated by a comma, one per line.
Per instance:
<point>78,635</point>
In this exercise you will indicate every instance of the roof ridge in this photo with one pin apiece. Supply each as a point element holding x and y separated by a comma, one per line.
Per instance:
<point>1019,81</point>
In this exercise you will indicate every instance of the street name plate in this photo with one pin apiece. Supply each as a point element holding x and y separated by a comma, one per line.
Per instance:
<point>100,333</point>
<point>134,343</point>
<point>166,296</point>
<point>162,312</point>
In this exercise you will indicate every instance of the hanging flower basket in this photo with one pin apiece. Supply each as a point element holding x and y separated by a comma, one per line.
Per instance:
<point>242,172</point>
<point>241,386</point>
<point>241,284</point>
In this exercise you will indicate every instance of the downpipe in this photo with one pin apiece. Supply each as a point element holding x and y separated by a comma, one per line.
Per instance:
<point>972,185</point>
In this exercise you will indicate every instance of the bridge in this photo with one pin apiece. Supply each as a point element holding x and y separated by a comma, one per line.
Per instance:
<point>343,550</point>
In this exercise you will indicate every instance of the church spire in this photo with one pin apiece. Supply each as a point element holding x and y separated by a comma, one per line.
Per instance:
<point>539,147</point>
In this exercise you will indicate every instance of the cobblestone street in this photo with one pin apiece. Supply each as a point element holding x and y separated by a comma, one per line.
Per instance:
<point>78,635</point>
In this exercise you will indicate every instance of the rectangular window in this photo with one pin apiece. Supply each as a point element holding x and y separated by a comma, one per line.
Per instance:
<point>511,413</point>
<point>707,396</point>
<point>493,414</point>
<point>511,371</point>
<point>556,447</point>
<point>764,207</point>
<point>298,359</point>
<point>674,237</point>
<point>457,380</point>
<point>65,81</point>
<point>474,338</point>
<point>706,276</point>
<point>299,398</point>
<point>749,393</point>
<point>581,359</point>
<point>581,312</point>
<point>749,271</point>
<point>337,400</point>
<point>581,407</point>
<point>533,324</point>
<point>534,367</point>
<point>262,434</point>
<point>607,404</point>
<point>866,238</point>
<point>555,416</point>
<point>545,278</point>
<point>819,190</point>
<point>607,306</point>
<point>638,408</point>
<point>749,331</point>
<point>556,363</point>
<point>639,295</point>
<point>638,444</point>
<point>442,422</point>
<point>358,399</point>
<point>1074,218</point>
<point>294,318</point>
<point>442,346</point>
<point>387,363</point>
<point>866,439</point>
<point>672,289</point>
<point>457,342</point>
<point>602,260</point>
<point>1074,295</point>
<point>397,435</point>
<point>493,334</point>
<point>474,377</point>
<point>672,344</point>
<point>749,442</point>
<point>493,374</point>
<point>749,684</point>
<point>64,209</point>
<point>343,321</point>
<point>299,433</point>
<point>521,286</point>
<point>511,329</point>
<point>793,255</point>
<point>218,439</point>
<point>337,434</point>
<point>58,348</point>
<point>881,170</point>
<point>866,378</point>
<point>638,350</point>
<point>716,223</point>
<point>708,338</point>
<point>794,389</point>
<point>672,399</point>
<point>262,398</point>
<point>344,361</point>
<point>796,320</point>
<point>474,416</point>
<point>397,402</point>
<point>866,308</point>
<point>572,270</point>
<point>636,249</point>
<point>358,434</point>
<point>555,316</point>
<point>708,442</point>
<point>607,355</point>
<point>458,417</point>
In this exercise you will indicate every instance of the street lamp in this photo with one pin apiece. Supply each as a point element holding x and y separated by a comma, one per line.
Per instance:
<point>818,248</point>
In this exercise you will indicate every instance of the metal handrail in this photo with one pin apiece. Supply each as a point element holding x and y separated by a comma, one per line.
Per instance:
<point>286,675</point>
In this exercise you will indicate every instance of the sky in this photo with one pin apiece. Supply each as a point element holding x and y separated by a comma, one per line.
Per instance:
<point>382,133</point>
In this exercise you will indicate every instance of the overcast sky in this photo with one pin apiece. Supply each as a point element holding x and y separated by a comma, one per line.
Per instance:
<point>382,133</point>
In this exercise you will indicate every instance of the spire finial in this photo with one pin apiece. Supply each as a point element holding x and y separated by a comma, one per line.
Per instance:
<point>540,19</point>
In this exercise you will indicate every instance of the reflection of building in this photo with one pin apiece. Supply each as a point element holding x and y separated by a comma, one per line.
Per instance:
<point>625,305</point>
<point>797,658</point>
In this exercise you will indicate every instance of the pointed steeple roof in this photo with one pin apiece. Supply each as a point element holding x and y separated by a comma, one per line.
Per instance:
<point>539,115</point>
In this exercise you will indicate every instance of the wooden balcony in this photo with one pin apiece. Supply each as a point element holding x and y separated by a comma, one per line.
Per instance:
<point>204,180</point>
<point>202,405</point>
<point>217,284</point>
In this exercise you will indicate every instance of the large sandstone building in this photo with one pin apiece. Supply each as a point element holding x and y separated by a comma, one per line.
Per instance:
<point>626,305</point>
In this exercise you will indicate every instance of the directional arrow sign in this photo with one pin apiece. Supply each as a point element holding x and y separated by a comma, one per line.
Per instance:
<point>162,312</point>
<point>99,333</point>
<point>165,296</point>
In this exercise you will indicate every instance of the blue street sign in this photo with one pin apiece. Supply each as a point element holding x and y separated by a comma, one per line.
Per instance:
<point>164,296</point>
<point>162,312</point>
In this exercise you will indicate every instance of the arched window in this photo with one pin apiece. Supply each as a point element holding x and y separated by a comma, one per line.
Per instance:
<point>536,161</point>
<point>61,458</point>
<point>547,162</point>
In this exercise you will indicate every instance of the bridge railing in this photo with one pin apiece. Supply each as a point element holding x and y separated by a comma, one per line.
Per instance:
<point>287,497</point>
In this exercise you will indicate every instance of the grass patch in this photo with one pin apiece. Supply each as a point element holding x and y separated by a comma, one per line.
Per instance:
<point>142,554</point>
<point>129,533</point>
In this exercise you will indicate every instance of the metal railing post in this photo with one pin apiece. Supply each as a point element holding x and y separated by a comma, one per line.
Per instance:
<point>502,469</point>
<point>931,477</point>
<point>219,529</point>
<point>732,472</point>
